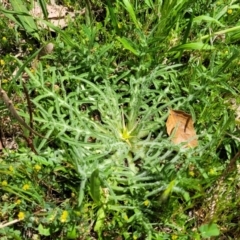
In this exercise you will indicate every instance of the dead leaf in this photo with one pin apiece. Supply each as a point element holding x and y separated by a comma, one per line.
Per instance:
<point>58,15</point>
<point>180,126</point>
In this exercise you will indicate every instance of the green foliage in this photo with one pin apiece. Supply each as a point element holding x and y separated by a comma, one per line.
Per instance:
<point>107,169</point>
<point>209,230</point>
<point>20,15</point>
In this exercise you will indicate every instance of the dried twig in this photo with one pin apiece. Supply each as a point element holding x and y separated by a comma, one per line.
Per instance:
<point>3,224</point>
<point>14,113</point>
<point>28,104</point>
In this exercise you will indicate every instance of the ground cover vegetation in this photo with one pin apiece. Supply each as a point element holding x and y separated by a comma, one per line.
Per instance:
<point>106,167</point>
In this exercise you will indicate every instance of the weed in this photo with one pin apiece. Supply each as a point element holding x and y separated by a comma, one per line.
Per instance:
<point>106,168</point>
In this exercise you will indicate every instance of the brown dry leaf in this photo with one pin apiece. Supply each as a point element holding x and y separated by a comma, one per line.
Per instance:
<point>180,124</point>
<point>58,15</point>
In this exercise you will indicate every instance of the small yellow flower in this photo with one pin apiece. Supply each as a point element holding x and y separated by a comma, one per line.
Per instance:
<point>125,216</point>
<point>191,173</point>
<point>5,81</point>
<point>119,25</point>
<point>64,216</point>
<point>21,215</point>
<point>37,167</point>
<point>2,62</point>
<point>4,39</point>
<point>126,134</point>
<point>18,201</point>
<point>229,11</point>
<point>212,171</point>
<point>11,169</point>
<point>174,237</point>
<point>146,202</point>
<point>135,237</point>
<point>26,187</point>
<point>4,183</point>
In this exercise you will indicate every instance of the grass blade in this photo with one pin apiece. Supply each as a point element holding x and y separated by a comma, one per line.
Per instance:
<point>193,46</point>
<point>129,8</point>
<point>128,45</point>
<point>26,21</point>
<point>44,8</point>
<point>207,19</point>
<point>113,17</point>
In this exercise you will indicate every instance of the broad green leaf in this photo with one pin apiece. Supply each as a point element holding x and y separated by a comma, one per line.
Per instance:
<point>100,220</point>
<point>193,46</point>
<point>207,19</point>
<point>27,21</point>
<point>128,45</point>
<point>43,231</point>
<point>72,233</point>
<point>95,186</point>
<point>209,230</point>
<point>234,6</point>
<point>9,14</point>
<point>16,235</point>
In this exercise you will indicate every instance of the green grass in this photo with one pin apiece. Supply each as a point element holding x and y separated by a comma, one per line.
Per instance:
<point>107,168</point>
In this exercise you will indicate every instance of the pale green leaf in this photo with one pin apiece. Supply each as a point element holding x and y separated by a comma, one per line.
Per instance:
<point>209,230</point>
<point>26,20</point>
<point>128,45</point>
<point>95,186</point>
<point>193,46</point>
<point>207,19</point>
<point>43,231</point>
